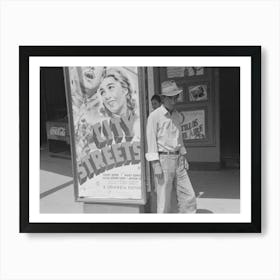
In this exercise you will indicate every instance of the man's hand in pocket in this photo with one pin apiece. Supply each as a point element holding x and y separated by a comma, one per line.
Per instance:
<point>157,169</point>
<point>184,162</point>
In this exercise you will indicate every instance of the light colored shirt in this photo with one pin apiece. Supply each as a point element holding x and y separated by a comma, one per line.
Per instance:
<point>164,133</point>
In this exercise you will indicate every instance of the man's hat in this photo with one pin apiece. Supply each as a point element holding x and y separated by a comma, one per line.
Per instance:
<point>169,88</point>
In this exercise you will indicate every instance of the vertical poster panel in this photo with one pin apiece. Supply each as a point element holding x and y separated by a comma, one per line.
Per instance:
<point>106,134</point>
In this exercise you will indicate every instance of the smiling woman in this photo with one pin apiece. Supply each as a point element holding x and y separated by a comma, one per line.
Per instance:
<point>113,95</point>
<point>116,93</point>
<point>116,90</point>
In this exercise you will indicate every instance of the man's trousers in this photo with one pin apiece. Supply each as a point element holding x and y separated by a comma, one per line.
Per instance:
<point>174,174</point>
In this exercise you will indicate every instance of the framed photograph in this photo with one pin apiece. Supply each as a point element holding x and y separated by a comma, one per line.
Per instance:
<point>95,156</point>
<point>195,71</point>
<point>198,92</point>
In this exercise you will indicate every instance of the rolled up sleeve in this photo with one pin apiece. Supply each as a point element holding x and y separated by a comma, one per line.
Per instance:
<point>151,132</point>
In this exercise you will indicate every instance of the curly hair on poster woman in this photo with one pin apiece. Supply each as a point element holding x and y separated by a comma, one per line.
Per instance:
<point>116,90</point>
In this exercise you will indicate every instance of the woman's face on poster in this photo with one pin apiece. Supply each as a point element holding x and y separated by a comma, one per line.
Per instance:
<point>90,79</point>
<point>113,95</point>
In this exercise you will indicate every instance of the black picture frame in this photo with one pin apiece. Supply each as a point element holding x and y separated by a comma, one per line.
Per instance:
<point>254,52</point>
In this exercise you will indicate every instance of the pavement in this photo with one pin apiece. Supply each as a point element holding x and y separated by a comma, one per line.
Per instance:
<point>219,190</point>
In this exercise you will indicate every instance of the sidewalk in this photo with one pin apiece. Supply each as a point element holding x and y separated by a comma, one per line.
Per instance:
<point>221,192</point>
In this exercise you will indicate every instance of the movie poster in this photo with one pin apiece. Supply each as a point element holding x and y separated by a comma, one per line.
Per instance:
<point>195,71</point>
<point>173,72</point>
<point>106,121</point>
<point>193,125</point>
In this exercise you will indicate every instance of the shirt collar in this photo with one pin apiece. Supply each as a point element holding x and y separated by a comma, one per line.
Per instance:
<point>165,111</point>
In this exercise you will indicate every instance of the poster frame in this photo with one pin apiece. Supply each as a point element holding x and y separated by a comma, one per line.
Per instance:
<point>254,226</point>
<point>142,200</point>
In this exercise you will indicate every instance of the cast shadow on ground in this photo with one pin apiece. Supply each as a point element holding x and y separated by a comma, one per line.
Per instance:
<point>58,165</point>
<point>203,211</point>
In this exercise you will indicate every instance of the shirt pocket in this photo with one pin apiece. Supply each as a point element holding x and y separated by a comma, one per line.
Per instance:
<point>163,127</point>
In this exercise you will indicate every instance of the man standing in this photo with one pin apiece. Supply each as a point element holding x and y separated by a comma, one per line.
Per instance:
<point>167,153</point>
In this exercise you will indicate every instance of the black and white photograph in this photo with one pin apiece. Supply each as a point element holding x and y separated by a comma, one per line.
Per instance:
<point>108,145</point>
<point>118,143</point>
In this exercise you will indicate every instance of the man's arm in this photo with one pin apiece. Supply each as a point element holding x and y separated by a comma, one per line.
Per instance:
<point>151,132</point>
<point>152,154</point>
<point>183,152</point>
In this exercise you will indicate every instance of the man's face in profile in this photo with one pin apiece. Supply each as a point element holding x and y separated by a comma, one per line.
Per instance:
<point>170,101</point>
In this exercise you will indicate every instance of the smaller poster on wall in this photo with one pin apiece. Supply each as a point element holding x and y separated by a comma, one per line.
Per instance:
<point>173,72</point>
<point>194,71</point>
<point>57,131</point>
<point>193,125</point>
<point>198,93</point>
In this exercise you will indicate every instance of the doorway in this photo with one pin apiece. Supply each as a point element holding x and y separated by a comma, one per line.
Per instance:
<point>230,116</point>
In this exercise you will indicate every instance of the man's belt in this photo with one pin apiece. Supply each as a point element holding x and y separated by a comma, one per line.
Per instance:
<point>169,153</point>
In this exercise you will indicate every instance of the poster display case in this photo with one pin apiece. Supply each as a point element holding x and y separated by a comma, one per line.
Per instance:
<point>106,133</point>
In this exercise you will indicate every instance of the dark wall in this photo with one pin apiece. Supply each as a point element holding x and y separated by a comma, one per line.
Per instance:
<point>52,80</point>
<point>230,116</point>
<point>43,112</point>
<point>52,97</point>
